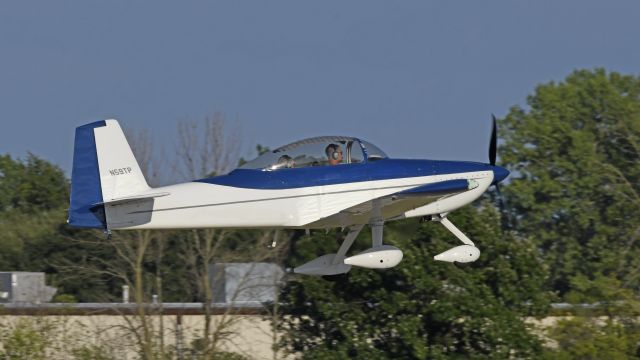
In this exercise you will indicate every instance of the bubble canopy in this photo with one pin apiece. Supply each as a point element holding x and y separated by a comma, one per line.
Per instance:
<point>317,151</point>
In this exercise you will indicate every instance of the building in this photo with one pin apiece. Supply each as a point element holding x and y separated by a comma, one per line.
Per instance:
<point>24,287</point>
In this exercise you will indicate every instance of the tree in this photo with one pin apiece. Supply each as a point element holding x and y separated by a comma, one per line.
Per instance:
<point>34,196</point>
<point>422,308</point>
<point>574,155</point>
<point>210,150</point>
<point>606,325</point>
<point>31,185</point>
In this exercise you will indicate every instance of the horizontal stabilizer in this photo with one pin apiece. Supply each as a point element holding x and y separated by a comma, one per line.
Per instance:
<point>124,199</point>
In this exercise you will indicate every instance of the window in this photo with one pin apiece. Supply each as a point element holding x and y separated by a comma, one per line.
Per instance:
<point>317,151</point>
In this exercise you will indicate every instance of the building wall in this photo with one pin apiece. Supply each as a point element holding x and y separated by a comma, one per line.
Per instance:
<point>251,335</point>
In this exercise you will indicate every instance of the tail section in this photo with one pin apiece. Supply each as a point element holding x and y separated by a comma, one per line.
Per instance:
<point>104,169</point>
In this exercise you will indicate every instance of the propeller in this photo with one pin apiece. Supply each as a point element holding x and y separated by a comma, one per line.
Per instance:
<point>493,146</point>
<point>494,142</point>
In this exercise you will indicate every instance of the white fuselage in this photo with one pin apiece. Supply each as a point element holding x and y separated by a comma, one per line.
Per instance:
<point>204,205</point>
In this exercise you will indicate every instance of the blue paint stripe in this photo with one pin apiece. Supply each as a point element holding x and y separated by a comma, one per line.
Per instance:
<point>339,174</point>
<point>85,180</point>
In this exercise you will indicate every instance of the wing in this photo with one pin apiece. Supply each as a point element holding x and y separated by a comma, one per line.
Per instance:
<point>397,204</point>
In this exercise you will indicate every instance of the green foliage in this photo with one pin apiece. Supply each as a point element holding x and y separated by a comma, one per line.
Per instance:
<point>43,242</point>
<point>91,352</point>
<point>197,351</point>
<point>44,338</point>
<point>65,298</point>
<point>421,308</point>
<point>574,190</point>
<point>33,197</point>
<point>587,339</point>
<point>607,328</point>
<point>225,355</point>
<point>27,340</point>
<point>31,185</point>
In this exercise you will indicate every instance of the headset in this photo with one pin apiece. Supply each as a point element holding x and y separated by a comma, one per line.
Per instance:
<point>333,153</point>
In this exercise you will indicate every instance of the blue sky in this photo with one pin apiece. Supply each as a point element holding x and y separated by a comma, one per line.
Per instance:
<point>418,78</point>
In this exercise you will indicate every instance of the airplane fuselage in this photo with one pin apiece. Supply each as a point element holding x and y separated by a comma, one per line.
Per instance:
<point>313,197</point>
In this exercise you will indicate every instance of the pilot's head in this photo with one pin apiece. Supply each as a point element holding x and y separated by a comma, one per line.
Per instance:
<point>285,161</point>
<point>334,154</point>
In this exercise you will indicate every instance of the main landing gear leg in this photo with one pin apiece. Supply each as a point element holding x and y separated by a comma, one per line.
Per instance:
<point>353,233</point>
<point>463,253</point>
<point>378,256</point>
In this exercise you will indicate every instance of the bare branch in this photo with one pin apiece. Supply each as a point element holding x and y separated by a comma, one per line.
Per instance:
<point>214,150</point>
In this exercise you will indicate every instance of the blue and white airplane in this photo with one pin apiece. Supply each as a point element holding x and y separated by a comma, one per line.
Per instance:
<point>317,183</point>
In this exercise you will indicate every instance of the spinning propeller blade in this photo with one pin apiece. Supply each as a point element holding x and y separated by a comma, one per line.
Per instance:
<point>494,142</point>
<point>499,172</point>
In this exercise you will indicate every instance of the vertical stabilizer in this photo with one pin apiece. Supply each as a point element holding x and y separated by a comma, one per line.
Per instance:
<point>104,168</point>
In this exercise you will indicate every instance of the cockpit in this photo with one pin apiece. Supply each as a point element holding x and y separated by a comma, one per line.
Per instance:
<point>317,151</point>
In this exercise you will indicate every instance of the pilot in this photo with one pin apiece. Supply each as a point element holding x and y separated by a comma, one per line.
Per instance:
<point>285,161</point>
<point>334,154</point>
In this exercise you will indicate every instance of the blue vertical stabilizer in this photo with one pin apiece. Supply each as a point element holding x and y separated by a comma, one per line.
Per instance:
<point>86,190</point>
